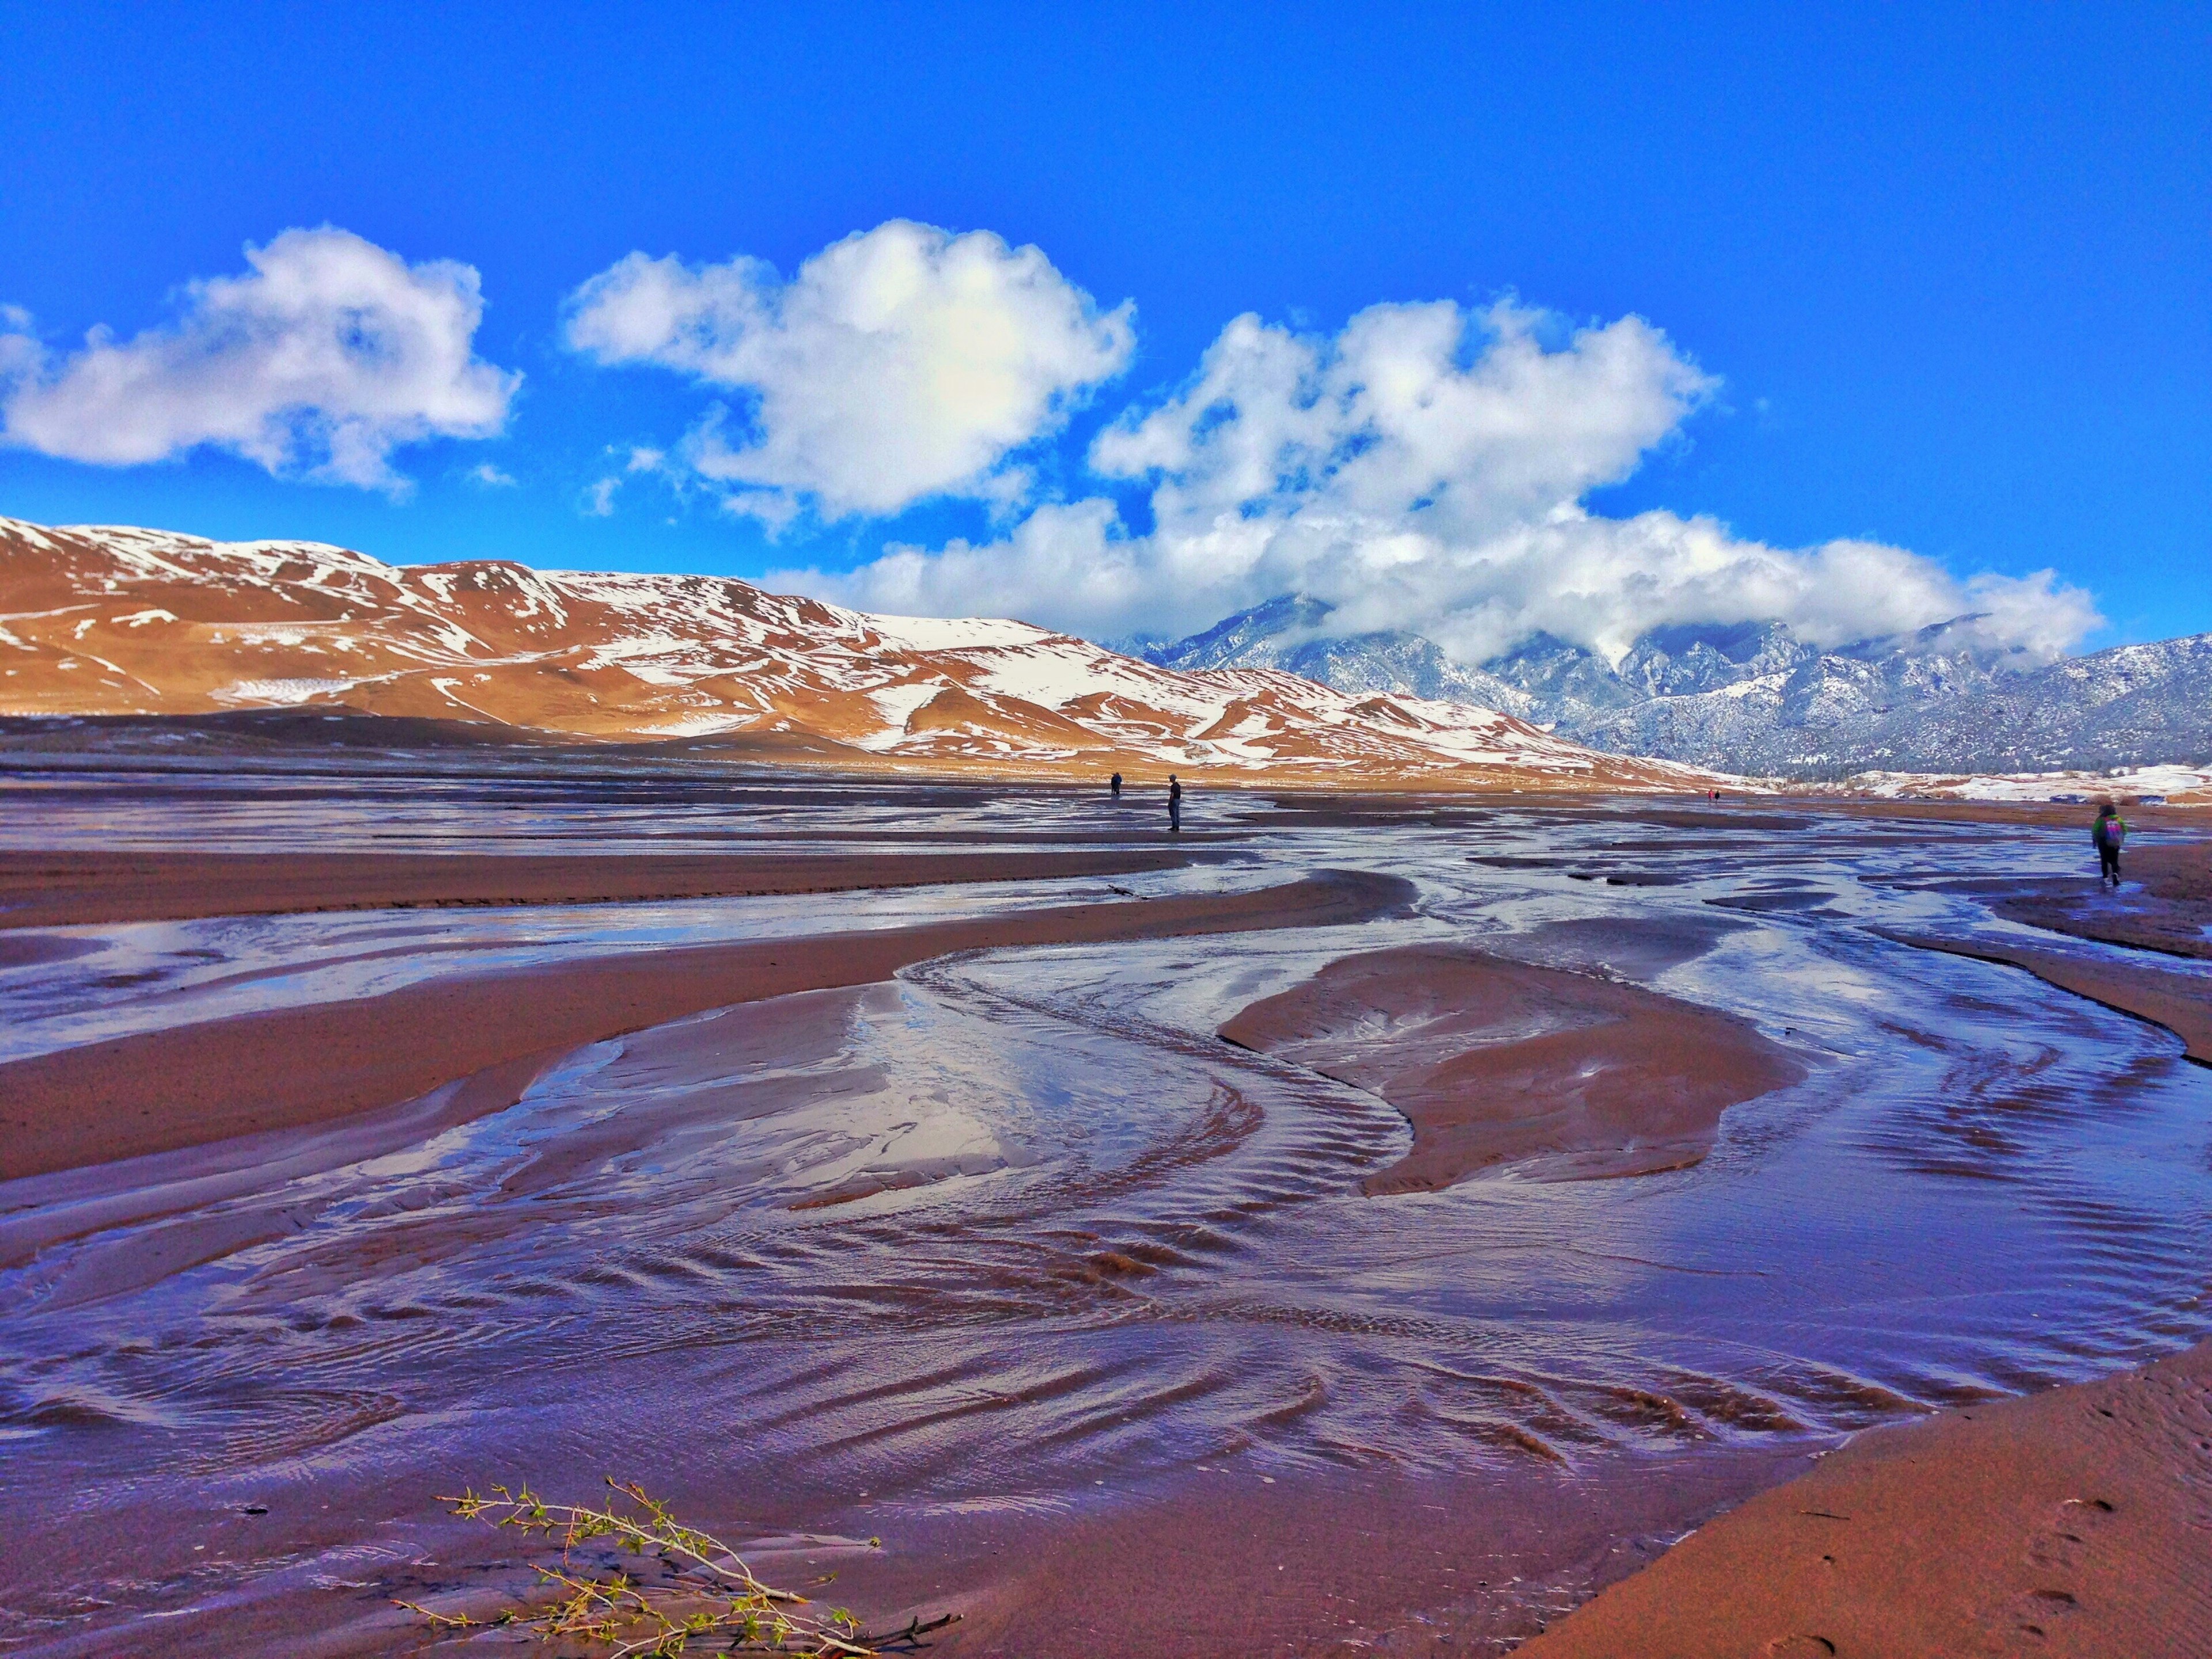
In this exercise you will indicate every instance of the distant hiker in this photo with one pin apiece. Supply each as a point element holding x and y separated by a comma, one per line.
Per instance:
<point>1174,804</point>
<point>1115,786</point>
<point>2108,834</point>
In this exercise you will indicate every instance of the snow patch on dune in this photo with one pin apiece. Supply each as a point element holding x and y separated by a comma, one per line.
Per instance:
<point>2181,785</point>
<point>281,693</point>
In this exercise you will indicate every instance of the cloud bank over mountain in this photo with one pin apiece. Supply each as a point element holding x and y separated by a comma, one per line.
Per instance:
<point>1426,468</point>
<point>328,354</point>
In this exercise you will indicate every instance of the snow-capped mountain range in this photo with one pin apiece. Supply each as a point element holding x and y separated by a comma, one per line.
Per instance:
<point>106,620</point>
<point>1752,698</point>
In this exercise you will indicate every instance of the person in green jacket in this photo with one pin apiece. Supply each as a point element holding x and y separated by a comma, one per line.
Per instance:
<point>2108,834</point>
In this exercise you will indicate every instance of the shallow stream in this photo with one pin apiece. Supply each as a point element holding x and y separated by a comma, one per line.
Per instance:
<point>1017,1234</point>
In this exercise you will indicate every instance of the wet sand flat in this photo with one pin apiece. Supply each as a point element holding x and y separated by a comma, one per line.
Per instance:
<point>948,1219</point>
<point>1561,1075</point>
<point>2075,1523</point>
<point>2164,905</point>
<point>157,1091</point>
<point>1326,1567</point>
<point>2178,871</point>
<point>74,887</point>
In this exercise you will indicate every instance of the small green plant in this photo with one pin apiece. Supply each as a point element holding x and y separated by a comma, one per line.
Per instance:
<point>703,1595</point>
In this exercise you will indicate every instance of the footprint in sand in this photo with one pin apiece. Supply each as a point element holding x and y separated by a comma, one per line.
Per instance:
<point>2038,1610</point>
<point>2058,1549</point>
<point>1799,1647</point>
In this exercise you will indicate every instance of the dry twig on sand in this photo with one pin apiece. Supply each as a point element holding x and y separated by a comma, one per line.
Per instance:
<point>710,1598</point>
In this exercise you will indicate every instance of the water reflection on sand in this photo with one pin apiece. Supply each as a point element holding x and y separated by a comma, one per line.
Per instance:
<point>1021,1223</point>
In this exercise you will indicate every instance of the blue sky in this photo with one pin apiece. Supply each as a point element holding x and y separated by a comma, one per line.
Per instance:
<point>1930,290</point>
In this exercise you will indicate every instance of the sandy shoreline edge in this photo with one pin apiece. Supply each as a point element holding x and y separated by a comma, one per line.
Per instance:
<point>2076,1522</point>
<point>2176,1002</point>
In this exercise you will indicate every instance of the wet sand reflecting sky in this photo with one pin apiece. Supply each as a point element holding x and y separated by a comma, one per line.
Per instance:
<point>1019,1234</point>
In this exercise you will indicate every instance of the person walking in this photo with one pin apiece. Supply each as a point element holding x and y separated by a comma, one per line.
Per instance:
<point>1174,805</point>
<point>1114,787</point>
<point>2108,834</point>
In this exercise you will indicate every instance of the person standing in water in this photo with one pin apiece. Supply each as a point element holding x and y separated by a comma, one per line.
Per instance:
<point>1174,804</point>
<point>2108,834</point>
<point>1113,787</point>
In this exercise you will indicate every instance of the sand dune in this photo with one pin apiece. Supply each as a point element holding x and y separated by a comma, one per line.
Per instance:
<point>112,621</point>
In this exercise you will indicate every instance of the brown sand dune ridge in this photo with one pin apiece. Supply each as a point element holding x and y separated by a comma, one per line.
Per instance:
<point>160,1090</point>
<point>113,620</point>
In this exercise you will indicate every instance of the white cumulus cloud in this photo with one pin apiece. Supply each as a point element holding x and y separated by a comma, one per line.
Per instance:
<point>900,363</point>
<point>1426,469</point>
<point>1396,418</point>
<point>326,355</point>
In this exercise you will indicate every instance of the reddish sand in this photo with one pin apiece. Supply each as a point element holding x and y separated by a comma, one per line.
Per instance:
<point>2182,873</point>
<point>55,889</point>
<point>2182,1003</point>
<point>1332,1565</point>
<point>1560,1074</point>
<point>2073,1522</point>
<point>159,1090</point>
<point>2166,904</point>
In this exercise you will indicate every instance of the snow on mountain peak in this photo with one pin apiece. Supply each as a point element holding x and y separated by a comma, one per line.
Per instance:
<point>1752,697</point>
